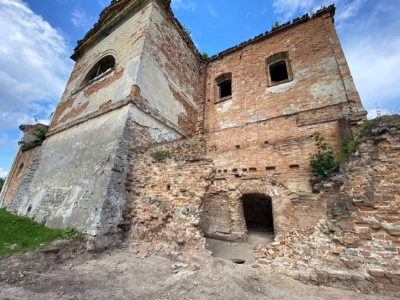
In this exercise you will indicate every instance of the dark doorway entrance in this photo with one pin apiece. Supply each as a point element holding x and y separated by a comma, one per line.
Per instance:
<point>257,209</point>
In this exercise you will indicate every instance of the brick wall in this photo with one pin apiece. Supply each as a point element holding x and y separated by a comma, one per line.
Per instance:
<point>165,198</point>
<point>264,129</point>
<point>20,165</point>
<point>358,243</point>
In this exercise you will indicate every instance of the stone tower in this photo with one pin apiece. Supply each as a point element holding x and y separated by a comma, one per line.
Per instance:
<point>135,83</point>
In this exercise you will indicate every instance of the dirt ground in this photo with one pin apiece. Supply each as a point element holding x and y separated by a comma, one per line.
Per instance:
<point>67,271</point>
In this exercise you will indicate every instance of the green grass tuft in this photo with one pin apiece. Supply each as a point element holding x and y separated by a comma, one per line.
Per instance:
<point>20,234</point>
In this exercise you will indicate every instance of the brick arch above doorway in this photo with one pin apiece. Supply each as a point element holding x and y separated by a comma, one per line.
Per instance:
<point>284,215</point>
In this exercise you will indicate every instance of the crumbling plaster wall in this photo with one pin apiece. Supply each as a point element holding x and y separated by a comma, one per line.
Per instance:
<point>144,61</point>
<point>21,163</point>
<point>77,179</point>
<point>169,73</point>
<point>125,42</point>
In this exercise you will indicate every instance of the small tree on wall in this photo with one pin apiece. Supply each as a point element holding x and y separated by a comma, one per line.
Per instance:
<point>324,160</point>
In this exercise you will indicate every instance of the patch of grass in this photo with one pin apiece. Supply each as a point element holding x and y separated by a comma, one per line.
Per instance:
<point>161,155</point>
<point>41,133</point>
<point>20,234</point>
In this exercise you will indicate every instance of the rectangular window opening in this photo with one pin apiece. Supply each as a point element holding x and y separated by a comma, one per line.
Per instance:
<point>225,88</point>
<point>278,71</point>
<point>294,166</point>
<point>271,168</point>
<point>253,169</point>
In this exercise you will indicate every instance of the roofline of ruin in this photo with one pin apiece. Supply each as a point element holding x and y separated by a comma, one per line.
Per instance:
<point>297,21</point>
<point>109,17</point>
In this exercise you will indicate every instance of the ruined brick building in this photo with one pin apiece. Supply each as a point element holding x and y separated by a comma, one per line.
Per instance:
<point>238,127</point>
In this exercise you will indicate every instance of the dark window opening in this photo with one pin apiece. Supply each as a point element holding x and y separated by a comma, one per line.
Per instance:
<point>224,86</point>
<point>225,89</point>
<point>168,187</point>
<point>257,210</point>
<point>99,68</point>
<point>270,168</point>
<point>278,68</point>
<point>294,166</point>
<point>278,71</point>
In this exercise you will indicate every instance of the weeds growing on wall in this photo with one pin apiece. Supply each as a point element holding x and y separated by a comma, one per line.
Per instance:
<point>324,160</point>
<point>161,155</point>
<point>41,133</point>
<point>20,234</point>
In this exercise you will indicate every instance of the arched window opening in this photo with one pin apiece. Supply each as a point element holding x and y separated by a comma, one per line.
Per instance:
<point>278,68</point>
<point>102,66</point>
<point>224,87</point>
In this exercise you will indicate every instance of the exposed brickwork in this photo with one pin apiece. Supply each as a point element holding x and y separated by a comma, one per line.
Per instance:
<point>358,243</point>
<point>18,170</point>
<point>26,153</point>
<point>165,198</point>
<point>265,130</point>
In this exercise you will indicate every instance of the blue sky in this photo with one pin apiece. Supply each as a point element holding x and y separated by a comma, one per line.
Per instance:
<point>38,36</point>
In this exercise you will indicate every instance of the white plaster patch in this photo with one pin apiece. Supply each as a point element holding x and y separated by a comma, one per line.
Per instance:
<point>302,71</point>
<point>331,64</point>
<point>227,126</point>
<point>155,88</point>
<point>322,89</point>
<point>281,88</point>
<point>225,106</point>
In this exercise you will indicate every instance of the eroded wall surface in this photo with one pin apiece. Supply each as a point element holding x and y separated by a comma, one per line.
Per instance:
<point>264,130</point>
<point>21,163</point>
<point>77,178</point>
<point>358,243</point>
<point>125,42</point>
<point>154,60</point>
<point>165,198</point>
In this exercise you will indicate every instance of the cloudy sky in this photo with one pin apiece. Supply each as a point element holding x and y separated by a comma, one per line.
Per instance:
<point>38,36</point>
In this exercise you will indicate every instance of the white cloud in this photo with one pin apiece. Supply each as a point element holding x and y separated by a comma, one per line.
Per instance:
<point>372,48</point>
<point>370,38</point>
<point>104,3</point>
<point>3,173</point>
<point>177,4</point>
<point>81,20</point>
<point>34,65</point>
<point>289,9</point>
<point>211,10</point>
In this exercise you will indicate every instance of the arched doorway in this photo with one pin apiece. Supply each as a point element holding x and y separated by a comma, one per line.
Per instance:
<point>257,212</point>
